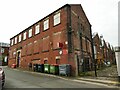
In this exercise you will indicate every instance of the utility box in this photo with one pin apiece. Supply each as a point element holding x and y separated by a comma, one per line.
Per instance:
<point>65,69</point>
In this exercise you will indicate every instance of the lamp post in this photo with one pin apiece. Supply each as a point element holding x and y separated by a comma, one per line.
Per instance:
<point>94,53</point>
<point>94,56</point>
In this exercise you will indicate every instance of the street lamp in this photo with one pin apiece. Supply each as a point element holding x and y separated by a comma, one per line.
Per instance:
<point>94,56</point>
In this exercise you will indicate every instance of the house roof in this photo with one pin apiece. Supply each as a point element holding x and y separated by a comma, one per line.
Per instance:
<point>40,20</point>
<point>66,5</point>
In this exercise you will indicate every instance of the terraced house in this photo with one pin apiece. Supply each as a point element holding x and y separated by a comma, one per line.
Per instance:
<point>62,37</point>
<point>4,53</point>
<point>104,52</point>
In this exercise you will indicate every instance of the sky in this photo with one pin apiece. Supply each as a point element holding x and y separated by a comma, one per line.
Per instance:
<point>17,15</point>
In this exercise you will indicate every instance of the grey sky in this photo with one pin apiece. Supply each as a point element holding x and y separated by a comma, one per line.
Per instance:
<point>17,15</point>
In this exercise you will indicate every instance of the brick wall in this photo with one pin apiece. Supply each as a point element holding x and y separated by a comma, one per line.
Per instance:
<point>45,45</point>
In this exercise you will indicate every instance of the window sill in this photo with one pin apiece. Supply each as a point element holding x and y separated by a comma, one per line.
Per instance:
<point>37,34</point>
<point>45,51</point>
<point>56,24</point>
<point>29,54</point>
<point>56,49</point>
<point>45,30</point>
<point>36,53</point>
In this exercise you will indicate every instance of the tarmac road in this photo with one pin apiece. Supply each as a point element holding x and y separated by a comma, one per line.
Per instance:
<point>21,79</point>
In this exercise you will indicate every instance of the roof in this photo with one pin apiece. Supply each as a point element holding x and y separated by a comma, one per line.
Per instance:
<point>82,11</point>
<point>4,44</point>
<point>66,5</point>
<point>41,20</point>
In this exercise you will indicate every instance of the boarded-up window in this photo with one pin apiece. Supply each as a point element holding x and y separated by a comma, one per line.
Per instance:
<point>88,46</point>
<point>45,44</point>
<point>36,47</point>
<point>14,53</point>
<point>90,49</point>
<point>10,53</point>
<point>83,44</point>
<point>56,40</point>
<point>23,53</point>
<point>29,49</point>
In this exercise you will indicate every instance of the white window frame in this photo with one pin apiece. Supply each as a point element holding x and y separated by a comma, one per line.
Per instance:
<point>30,33</point>
<point>20,36</point>
<point>2,50</point>
<point>12,41</point>
<point>15,40</point>
<point>37,29</point>
<point>24,35</point>
<point>57,19</point>
<point>46,24</point>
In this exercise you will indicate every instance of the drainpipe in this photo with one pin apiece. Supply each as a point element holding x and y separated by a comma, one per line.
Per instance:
<point>93,54</point>
<point>69,30</point>
<point>80,38</point>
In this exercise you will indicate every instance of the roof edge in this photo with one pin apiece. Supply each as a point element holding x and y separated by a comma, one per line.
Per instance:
<point>41,20</point>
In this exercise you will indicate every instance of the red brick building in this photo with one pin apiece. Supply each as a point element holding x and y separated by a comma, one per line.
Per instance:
<point>62,37</point>
<point>4,53</point>
<point>109,53</point>
<point>103,51</point>
<point>99,56</point>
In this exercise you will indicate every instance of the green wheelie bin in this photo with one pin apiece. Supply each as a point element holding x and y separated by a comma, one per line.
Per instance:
<point>47,68</point>
<point>54,69</point>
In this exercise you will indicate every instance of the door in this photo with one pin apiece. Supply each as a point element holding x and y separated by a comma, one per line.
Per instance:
<point>18,59</point>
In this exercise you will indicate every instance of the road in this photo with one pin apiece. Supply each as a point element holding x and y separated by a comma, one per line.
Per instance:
<point>21,79</point>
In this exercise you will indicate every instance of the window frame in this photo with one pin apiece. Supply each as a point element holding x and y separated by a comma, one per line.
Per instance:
<point>15,40</point>
<point>56,19</point>
<point>46,24</point>
<point>2,50</point>
<point>37,29</point>
<point>12,42</point>
<point>20,38</point>
<point>30,33</point>
<point>24,35</point>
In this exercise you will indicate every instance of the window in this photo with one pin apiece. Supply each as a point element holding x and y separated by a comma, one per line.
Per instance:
<point>24,36</point>
<point>56,19</point>
<point>19,38</point>
<point>29,48</point>
<point>30,33</point>
<point>37,29</point>
<point>45,43</point>
<point>15,40</point>
<point>12,42</point>
<point>24,50</point>
<point>2,50</point>
<point>46,24</point>
<point>45,61</point>
<point>84,43</point>
<point>57,61</point>
<point>57,37</point>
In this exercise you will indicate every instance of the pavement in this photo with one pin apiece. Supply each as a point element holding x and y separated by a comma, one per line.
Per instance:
<point>96,80</point>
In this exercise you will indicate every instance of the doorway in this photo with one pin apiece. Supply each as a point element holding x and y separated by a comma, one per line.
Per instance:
<point>18,59</point>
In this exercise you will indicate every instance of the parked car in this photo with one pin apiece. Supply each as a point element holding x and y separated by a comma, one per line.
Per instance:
<point>2,76</point>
